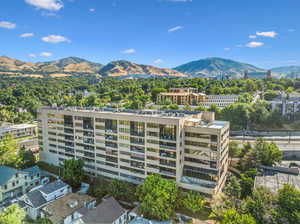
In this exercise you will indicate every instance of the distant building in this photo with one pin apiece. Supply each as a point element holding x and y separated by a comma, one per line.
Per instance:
<point>274,178</point>
<point>14,182</point>
<point>182,96</point>
<point>246,74</point>
<point>219,100</point>
<point>18,130</point>
<point>68,209</point>
<point>36,199</point>
<point>287,104</point>
<point>189,96</point>
<point>269,74</point>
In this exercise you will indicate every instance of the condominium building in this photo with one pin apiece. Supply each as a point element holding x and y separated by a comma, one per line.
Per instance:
<point>188,147</point>
<point>182,96</point>
<point>17,130</point>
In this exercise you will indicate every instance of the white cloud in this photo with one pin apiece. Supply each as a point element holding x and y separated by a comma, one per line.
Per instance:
<point>52,5</point>
<point>252,36</point>
<point>54,39</point>
<point>7,25</point>
<point>31,55</point>
<point>92,10</point>
<point>227,49</point>
<point>129,51</point>
<point>46,54</point>
<point>25,35</point>
<point>176,28</point>
<point>158,61</point>
<point>271,34</point>
<point>254,44</point>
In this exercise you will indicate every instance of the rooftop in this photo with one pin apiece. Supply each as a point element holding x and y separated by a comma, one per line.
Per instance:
<point>106,212</point>
<point>7,127</point>
<point>153,113</point>
<point>276,181</point>
<point>275,177</point>
<point>7,172</point>
<point>54,186</point>
<point>63,207</point>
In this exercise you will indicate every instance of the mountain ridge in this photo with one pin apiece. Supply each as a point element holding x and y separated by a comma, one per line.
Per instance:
<point>70,66</point>
<point>217,66</point>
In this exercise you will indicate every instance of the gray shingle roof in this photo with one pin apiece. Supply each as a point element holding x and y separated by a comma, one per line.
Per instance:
<point>54,186</point>
<point>36,198</point>
<point>106,212</point>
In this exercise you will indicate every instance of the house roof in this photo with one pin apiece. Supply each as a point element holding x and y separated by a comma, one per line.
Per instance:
<point>54,186</point>
<point>36,198</point>
<point>65,206</point>
<point>33,170</point>
<point>106,212</point>
<point>6,173</point>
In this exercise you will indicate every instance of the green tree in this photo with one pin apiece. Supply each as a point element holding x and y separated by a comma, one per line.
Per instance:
<point>26,158</point>
<point>193,202</point>
<point>231,216</point>
<point>73,172</point>
<point>261,205</point>
<point>289,205</point>
<point>263,153</point>
<point>158,197</point>
<point>247,182</point>
<point>122,190</point>
<point>8,151</point>
<point>237,114</point>
<point>233,188</point>
<point>12,215</point>
<point>234,149</point>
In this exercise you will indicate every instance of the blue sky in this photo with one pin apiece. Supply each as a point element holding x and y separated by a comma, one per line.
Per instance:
<point>164,33</point>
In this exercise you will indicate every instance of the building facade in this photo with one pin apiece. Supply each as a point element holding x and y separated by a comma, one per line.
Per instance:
<point>18,130</point>
<point>287,105</point>
<point>182,96</point>
<point>188,147</point>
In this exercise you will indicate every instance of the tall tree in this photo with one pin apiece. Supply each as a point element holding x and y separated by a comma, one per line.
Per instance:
<point>289,205</point>
<point>158,197</point>
<point>73,172</point>
<point>8,151</point>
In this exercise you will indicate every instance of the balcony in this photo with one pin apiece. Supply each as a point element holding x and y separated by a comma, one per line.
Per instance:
<point>138,134</point>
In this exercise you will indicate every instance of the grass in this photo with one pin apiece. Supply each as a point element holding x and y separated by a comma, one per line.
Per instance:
<point>201,215</point>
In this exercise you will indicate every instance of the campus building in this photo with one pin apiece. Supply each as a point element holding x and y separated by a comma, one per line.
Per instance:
<point>182,96</point>
<point>188,147</point>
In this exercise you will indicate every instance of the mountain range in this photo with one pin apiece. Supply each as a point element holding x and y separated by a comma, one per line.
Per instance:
<point>74,66</point>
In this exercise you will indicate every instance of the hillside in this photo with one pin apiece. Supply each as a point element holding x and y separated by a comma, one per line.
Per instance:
<point>125,68</point>
<point>59,68</point>
<point>287,69</point>
<point>216,66</point>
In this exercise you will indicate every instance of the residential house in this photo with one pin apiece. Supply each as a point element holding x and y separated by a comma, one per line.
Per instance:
<point>14,182</point>
<point>107,212</point>
<point>36,199</point>
<point>66,210</point>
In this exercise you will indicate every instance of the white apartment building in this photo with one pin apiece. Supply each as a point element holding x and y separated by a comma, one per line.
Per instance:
<point>188,147</point>
<point>17,130</point>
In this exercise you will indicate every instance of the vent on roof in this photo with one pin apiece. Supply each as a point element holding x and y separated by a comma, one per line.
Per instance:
<point>73,204</point>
